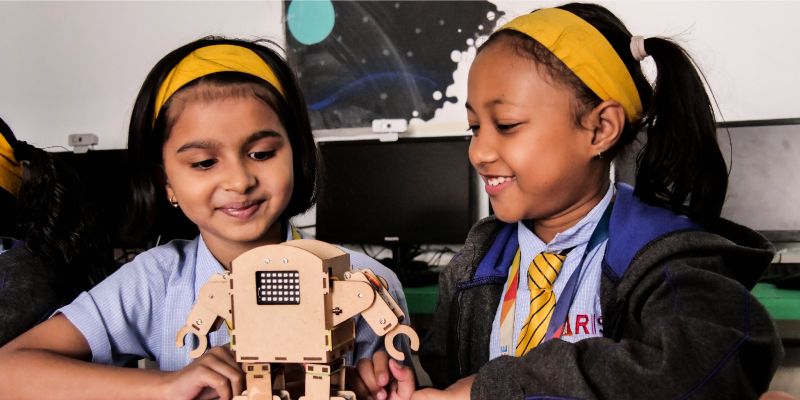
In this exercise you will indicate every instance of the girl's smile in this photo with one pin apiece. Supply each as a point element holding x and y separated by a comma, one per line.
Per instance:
<point>495,184</point>
<point>241,210</point>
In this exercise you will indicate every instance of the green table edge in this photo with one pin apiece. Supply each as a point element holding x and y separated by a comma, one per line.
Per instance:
<point>422,300</point>
<point>782,304</point>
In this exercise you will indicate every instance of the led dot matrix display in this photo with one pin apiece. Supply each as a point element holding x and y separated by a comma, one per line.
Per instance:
<point>277,287</point>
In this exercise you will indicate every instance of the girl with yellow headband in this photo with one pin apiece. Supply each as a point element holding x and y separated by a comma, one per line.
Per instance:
<point>577,287</point>
<point>52,246</point>
<point>220,133</point>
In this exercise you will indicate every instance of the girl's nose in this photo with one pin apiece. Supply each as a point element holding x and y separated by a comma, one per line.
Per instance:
<point>239,178</point>
<point>481,151</point>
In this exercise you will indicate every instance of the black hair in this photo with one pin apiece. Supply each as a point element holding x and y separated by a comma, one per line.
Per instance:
<point>680,166</point>
<point>51,217</point>
<point>146,138</point>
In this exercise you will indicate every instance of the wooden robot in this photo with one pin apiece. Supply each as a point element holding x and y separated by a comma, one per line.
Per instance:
<point>294,303</point>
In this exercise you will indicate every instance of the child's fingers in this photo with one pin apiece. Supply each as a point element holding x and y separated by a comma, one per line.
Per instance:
<point>357,385</point>
<point>366,371</point>
<point>380,363</point>
<point>225,354</point>
<point>205,376</point>
<point>404,385</point>
<point>208,394</point>
<point>231,375</point>
<point>226,386</point>
<point>776,395</point>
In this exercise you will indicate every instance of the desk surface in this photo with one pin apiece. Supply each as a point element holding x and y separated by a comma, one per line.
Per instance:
<point>782,304</point>
<point>422,300</point>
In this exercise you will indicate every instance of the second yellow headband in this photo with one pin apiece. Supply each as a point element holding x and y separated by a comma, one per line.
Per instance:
<point>585,51</point>
<point>10,168</point>
<point>211,59</point>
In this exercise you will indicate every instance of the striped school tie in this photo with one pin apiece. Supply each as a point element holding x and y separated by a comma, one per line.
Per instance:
<point>542,274</point>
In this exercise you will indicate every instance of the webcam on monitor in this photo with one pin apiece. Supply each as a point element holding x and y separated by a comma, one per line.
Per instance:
<point>389,129</point>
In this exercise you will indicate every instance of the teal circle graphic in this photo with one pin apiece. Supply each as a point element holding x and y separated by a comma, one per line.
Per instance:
<point>310,21</point>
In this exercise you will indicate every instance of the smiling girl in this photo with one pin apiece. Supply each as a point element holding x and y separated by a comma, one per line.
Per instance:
<point>220,130</point>
<point>578,287</point>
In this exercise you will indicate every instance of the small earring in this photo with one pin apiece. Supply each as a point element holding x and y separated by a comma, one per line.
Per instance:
<point>173,201</point>
<point>600,155</point>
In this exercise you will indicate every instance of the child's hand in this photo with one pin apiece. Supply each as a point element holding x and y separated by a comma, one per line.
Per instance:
<point>215,374</point>
<point>457,391</point>
<point>382,378</point>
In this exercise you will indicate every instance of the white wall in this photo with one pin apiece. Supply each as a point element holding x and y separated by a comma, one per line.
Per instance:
<point>75,67</point>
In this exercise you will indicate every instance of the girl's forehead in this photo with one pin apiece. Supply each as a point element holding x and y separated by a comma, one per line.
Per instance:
<point>208,91</point>
<point>179,105</point>
<point>500,66</point>
<point>508,53</point>
<point>228,121</point>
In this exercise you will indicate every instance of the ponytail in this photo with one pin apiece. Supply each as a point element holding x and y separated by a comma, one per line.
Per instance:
<point>681,165</point>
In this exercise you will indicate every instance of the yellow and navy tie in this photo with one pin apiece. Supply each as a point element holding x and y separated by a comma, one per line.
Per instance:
<point>542,274</point>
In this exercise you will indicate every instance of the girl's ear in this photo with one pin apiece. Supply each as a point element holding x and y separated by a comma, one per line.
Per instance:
<point>606,121</point>
<point>171,196</point>
<point>170,192</point>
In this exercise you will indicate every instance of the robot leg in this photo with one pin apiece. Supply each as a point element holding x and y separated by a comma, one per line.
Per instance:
<point>259,382</point>
<point>319,378</point>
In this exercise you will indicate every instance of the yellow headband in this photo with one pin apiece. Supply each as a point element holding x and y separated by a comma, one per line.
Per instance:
<point>211,59</point>
<point>10,169</point>
<point>585,51</point>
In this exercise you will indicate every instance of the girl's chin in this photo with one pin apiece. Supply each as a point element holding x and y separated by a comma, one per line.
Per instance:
<point>254,238</point>
<point>507,217</point>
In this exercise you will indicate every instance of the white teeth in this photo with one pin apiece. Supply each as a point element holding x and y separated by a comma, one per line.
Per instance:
<point>498,180</point>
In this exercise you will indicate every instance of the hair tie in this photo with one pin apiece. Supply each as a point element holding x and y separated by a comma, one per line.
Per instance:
<point>637,48</point>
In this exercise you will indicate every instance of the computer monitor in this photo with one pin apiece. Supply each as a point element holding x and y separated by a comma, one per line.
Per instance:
<point>413,191</point>
<point>764,185</point>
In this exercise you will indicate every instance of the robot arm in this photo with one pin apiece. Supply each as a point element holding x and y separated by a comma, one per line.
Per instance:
<point>363,292</point>
<point>213,302</point>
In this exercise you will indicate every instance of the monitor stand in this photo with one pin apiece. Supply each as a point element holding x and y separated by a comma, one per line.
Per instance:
<point>411,273</point>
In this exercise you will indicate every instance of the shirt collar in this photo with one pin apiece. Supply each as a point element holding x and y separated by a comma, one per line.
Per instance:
<point>292,232</point>
<point>576,235</point>
<point>205,265</point>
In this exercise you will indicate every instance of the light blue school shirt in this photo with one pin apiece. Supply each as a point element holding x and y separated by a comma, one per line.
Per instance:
<point>137,311</point>
<point>585,317</point>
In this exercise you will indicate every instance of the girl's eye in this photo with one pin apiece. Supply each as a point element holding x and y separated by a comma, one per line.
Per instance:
<point>505,127</point>
<point>204,165</point>
<point>474,129</point>
<point>262,155</point>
